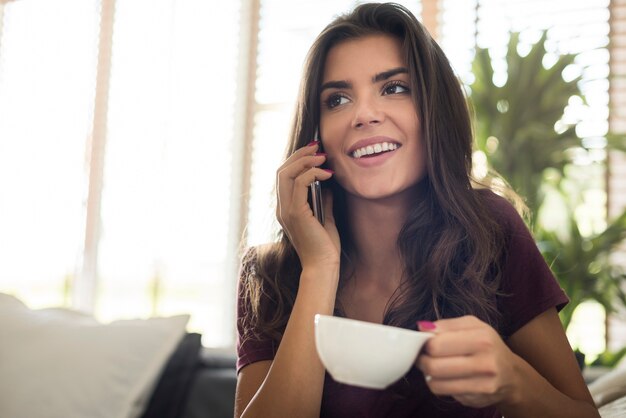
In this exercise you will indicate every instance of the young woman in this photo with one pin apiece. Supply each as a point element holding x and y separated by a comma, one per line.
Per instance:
<point>407,241</point>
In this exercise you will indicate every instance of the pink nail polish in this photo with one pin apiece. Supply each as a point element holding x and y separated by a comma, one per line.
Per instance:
<point>314,142</point>
<point>328,170</point>
<point>320,154</point>
<point>426,325</point>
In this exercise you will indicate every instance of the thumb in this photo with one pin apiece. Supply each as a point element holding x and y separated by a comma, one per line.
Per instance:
<point>427,326</point>
<point>451,324</point>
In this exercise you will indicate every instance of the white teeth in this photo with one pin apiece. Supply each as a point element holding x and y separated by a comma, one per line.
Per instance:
<point>374,149</point>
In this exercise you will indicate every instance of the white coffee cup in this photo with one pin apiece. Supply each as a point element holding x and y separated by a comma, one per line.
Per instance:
<point>365,354</point>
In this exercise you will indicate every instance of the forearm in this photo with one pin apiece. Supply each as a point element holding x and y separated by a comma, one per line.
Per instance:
<point>294,383</point>
<point>534,396</point>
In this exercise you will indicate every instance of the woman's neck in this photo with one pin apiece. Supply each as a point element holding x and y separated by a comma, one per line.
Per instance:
<point>374,227</point>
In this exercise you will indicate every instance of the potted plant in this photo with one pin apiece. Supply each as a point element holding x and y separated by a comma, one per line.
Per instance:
<point>515,129</point>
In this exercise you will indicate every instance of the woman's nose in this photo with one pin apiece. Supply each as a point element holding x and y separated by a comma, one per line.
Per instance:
<point>366,114</point>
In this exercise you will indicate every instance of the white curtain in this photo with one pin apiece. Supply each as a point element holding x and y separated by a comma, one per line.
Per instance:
<point>164,242</point>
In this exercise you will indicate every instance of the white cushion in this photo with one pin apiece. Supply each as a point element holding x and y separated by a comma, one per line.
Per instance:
<point>609,386</point>
<point>62,363</point>
<point>614,409</point>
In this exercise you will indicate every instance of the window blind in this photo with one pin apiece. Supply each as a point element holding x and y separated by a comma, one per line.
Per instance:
<point>47,84</point>
<point>617,120</point>
<point>616,178</point>
<point>165,246</point>
<point>164,235</point>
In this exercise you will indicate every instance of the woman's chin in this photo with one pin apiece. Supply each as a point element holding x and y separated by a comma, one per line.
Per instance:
<point>381,187</point>
<point>384,192</point>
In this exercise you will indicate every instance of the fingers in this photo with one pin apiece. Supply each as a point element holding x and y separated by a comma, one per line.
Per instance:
<point>295,168</point>
<point>458,367</point>
<point>315,244</point>
<point>292,194</point>
<point>466,359</point>
<point>307,151</point>
<point>474,380</point>
<point>471,386</point>
<point>460,343</point>
<point>299,162</point>
<point>451,324</point>
<point>301,183</point>
<point>458,336</point>
<point>293,179</point>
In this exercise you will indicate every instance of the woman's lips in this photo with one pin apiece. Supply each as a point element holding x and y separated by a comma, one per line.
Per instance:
<point>375,159</point>
<point>372,141</point>
<point>375,149</point>
<point>372,151</point>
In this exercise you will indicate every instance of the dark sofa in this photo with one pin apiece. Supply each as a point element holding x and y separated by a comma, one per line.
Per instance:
<point>212,393</point>
<point>196,383</point>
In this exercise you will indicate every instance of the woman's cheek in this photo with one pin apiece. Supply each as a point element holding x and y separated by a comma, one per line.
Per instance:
<point>334,165</point>
<point>331,162</point>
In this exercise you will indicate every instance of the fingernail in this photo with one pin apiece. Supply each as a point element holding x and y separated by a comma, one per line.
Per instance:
<point>426,325</point>
<point>314,142</point>
<point>329,170</point>
<point>320,154</point>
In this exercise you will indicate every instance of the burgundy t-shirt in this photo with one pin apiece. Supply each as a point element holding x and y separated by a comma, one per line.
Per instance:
<point>529,288</point>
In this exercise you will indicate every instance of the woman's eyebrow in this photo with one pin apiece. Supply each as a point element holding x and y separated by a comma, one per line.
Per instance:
<point>335,85</point>
<point>388,74</point>
<point>342,84</point>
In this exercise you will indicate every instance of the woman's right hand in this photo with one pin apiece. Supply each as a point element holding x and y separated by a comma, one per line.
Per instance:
<point>315,244</point>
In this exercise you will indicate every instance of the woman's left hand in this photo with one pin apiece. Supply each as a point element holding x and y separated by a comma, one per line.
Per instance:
<point>467,359</point>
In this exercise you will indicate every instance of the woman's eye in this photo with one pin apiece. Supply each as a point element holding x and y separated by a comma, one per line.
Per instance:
<point>395,88</point>
<point>335,100</point>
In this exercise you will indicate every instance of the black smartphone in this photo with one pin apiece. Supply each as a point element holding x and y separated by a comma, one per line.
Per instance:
<point>316,194</point>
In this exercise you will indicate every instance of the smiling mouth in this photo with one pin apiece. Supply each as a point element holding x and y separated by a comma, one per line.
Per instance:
<point>374,150</point>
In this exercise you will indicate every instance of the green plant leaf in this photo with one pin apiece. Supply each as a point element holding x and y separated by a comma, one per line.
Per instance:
<point>522,115</point>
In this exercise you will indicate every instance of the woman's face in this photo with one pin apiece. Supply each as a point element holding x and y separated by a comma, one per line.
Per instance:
<point>369,125</point>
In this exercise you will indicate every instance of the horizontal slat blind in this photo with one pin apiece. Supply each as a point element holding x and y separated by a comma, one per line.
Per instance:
<point>47,85</point>
<point>616,179</point>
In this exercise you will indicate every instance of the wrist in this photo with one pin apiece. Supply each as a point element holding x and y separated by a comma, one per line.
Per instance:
<point>515,396</point>
<point>320,272</point>
<point>322,266</point>
<point>317,290</point>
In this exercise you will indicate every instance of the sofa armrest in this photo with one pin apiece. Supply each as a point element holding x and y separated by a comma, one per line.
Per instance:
<point>212,392</point>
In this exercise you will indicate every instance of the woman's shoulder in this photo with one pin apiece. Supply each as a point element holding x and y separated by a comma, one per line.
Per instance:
<point>509,212</point>
<point>263,258</point>
<point>249,260</point>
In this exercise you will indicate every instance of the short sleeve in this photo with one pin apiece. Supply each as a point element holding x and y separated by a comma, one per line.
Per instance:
<point>250,348</point>
<point>528,287</point>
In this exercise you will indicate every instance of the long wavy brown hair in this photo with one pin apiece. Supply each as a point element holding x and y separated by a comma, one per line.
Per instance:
<point>451,246</point>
